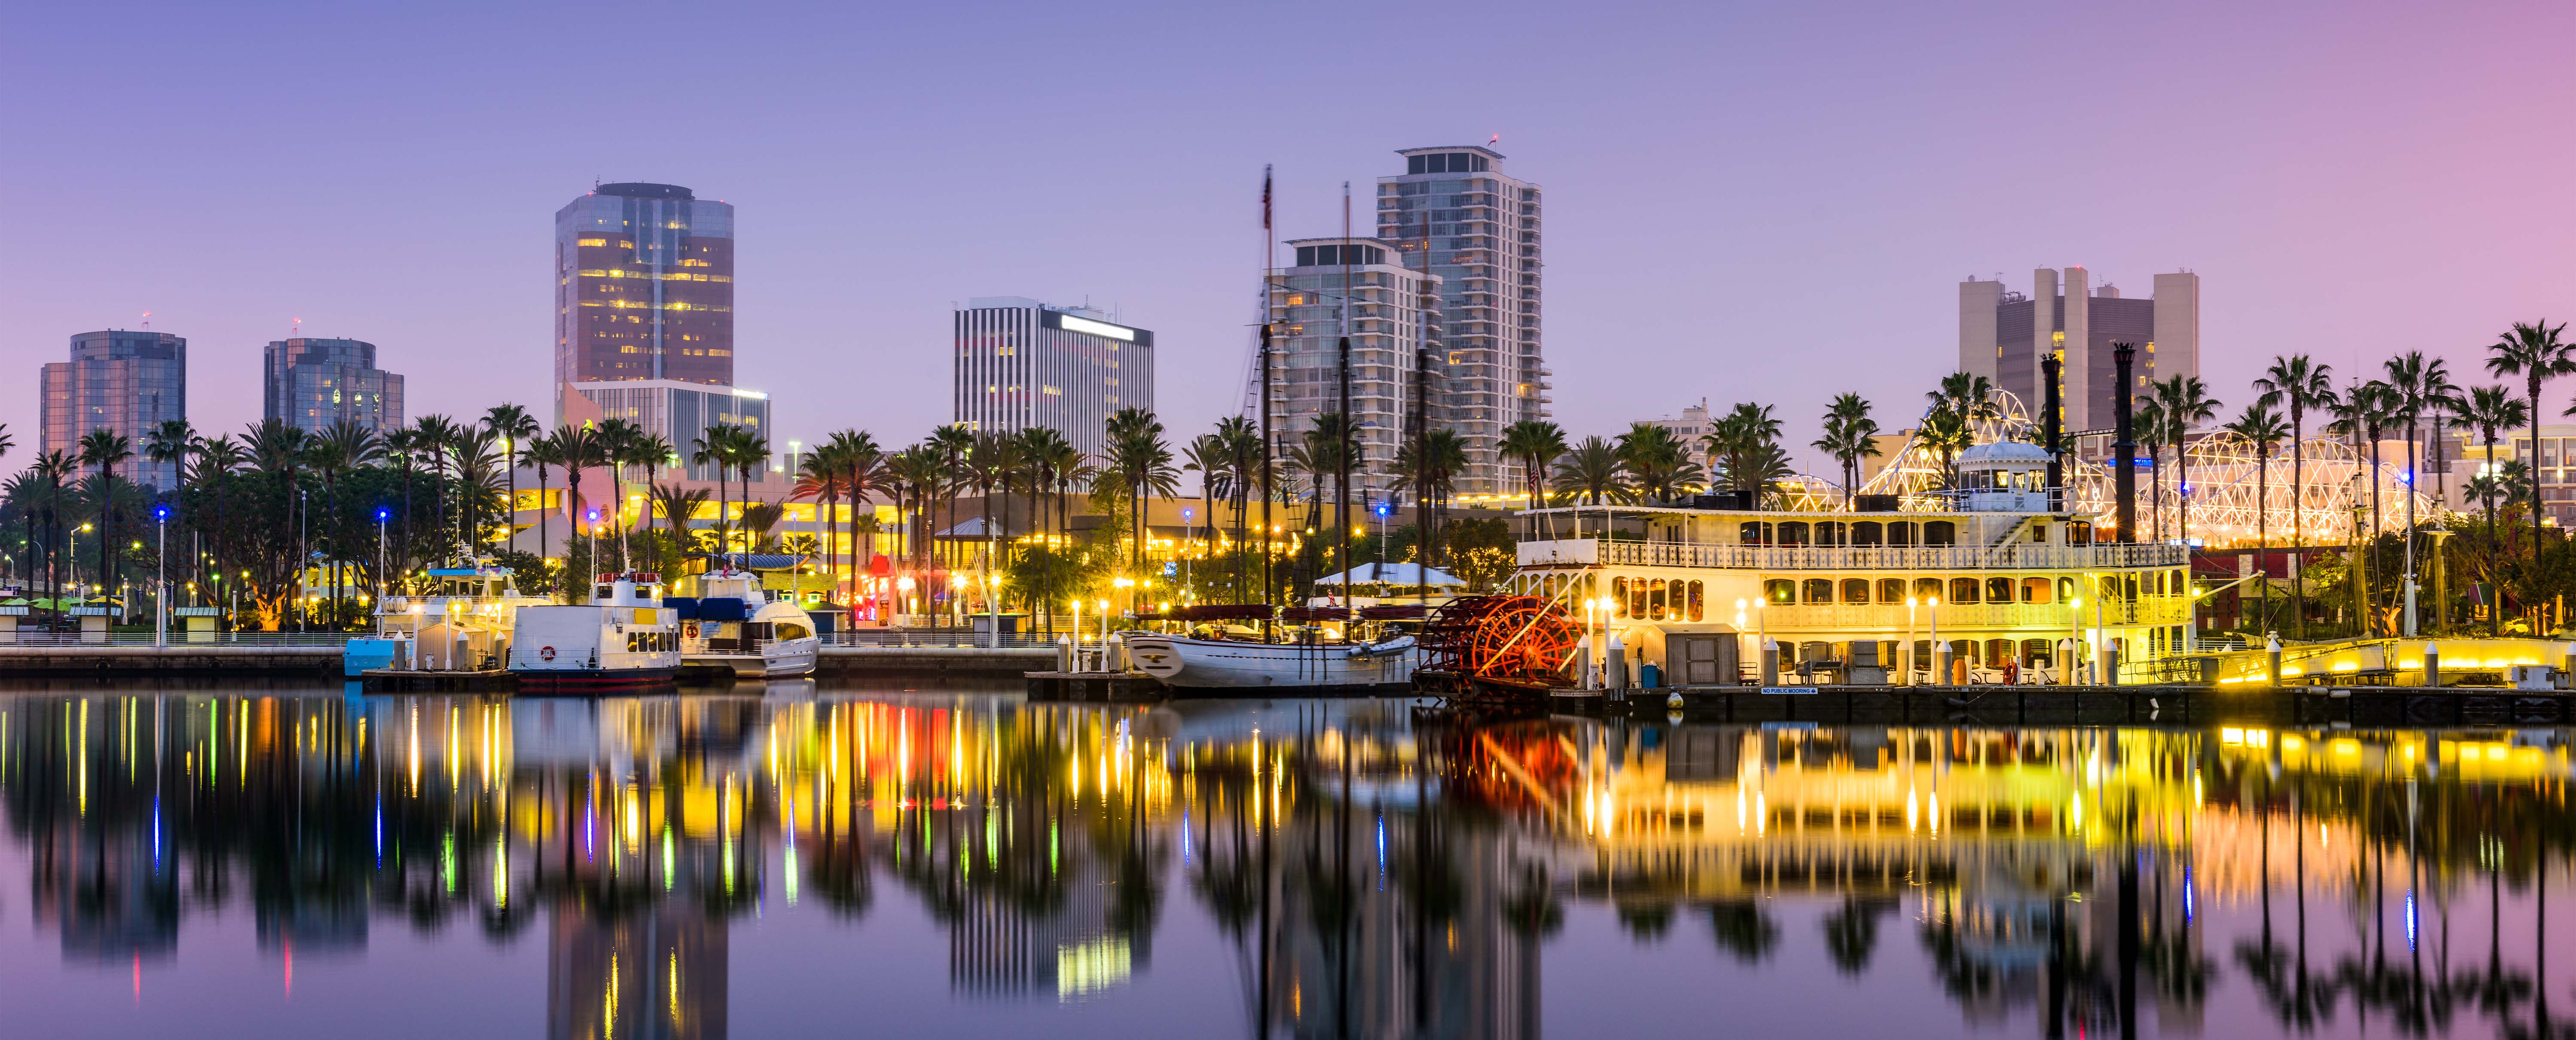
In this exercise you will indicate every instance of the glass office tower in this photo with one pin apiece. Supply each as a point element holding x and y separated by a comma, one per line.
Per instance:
<point>129,382</point>
<point>312,383</point>
<point>643,287</point>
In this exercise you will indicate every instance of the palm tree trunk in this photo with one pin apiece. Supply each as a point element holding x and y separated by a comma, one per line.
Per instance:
<point>2298,520</point>
<point>2534,468</point>
<point>2495,543</point>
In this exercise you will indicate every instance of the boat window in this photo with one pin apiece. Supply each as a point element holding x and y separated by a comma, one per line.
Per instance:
<point>792,630</point>
<point>1927,589</point>
<point>1855,590</point>
<point>2039,533</point>
<point>603,592</point>
<point>1829,532</point>
<point>1655,605</point>
<point>1901,533</point>
<point>1866,532</point>
<point>2079,532</point>
<point>1636,597</point>
<point>2038,652</point>
<point>1940,532</point>
<point>1963,590</point>
<point>2065,589</point>
<point>2034,590</point>
<point>1999,590</point>
<point>1698,603</point>
<point>2181,586</point>
<point>1619,597</point>
<point>1891,591</point>
<point>1820,590</point>
<point>1756,532</point>
<point>1780,591</point>
<point>1793,532</point>
<point>2129,588</point>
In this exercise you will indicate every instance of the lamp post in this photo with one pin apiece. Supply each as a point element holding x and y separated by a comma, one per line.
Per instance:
<point>381,516</point>
<point>1910,604</point>
<point>161,578</point>
<point>2074,642</point>
<point>1940,654</point>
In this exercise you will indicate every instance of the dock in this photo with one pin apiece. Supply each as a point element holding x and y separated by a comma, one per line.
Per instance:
<point>192,660</point>
<point>396,680</point>
<point>1095,688</point>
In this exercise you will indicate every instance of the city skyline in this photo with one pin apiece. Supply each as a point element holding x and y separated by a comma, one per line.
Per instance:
<point>1794,196</point>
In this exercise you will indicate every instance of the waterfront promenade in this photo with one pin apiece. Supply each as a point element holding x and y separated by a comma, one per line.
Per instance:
<point>871,652</point>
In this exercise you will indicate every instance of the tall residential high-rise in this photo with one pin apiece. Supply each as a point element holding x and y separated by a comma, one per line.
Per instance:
<point>1453,213</point>
<point>1387,320</point>
<point>2004,334</point>
<point>1021,363</point>
<point>643,287</point>
<point>311,383</point>
<point>129,382</point>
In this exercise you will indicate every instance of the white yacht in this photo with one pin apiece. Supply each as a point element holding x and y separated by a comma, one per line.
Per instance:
<point>461,623</point>
<point>622,639</point>
<point>733,626</point>
<point>1341,655</point>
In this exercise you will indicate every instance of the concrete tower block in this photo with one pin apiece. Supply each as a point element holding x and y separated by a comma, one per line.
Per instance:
<point>2177,325</point>
<point>2043,314</point>
<point>2081,387</point>
<point>1977,347</point>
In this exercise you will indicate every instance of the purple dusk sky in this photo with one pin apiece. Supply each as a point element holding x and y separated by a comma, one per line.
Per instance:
<point>1744,203</point>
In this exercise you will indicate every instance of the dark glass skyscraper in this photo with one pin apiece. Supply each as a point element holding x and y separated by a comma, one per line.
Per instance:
<point>129,382</point>
<point>643,287</point>
<point>312,383</point>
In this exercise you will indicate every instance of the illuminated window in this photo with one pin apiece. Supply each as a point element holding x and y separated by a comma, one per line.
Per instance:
<point>592,242</point>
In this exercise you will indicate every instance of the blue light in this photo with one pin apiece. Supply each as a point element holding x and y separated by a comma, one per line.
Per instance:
<point>161,512</point>
<point>384,514</point>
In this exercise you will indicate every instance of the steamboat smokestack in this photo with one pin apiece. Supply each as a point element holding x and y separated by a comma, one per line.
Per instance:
<point>2048,431</point>
<point>2124,446</point>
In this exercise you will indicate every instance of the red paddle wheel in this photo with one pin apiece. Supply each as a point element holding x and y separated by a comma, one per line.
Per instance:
<point>1496,648</point>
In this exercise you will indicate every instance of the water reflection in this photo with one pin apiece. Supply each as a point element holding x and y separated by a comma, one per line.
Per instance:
<point>1366,872</point>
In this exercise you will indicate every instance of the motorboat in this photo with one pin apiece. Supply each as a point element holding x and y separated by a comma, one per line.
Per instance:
<point>733,627</point>
<point>622,639</point>
<point>461,621</point>
<point>1337,654</point>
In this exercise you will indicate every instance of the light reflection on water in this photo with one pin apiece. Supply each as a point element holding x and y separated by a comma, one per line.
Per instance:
<point>961,863</point>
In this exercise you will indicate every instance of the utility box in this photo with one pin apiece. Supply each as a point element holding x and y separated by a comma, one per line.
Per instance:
<point>93,622</point>
<point>2532,676</point>
<point>199,623</point>
<point>10,619</point>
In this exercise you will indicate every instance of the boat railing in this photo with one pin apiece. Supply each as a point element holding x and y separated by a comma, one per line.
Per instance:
<point>2008,556</point>
<point>934,637</point>
<point>2163,610</point>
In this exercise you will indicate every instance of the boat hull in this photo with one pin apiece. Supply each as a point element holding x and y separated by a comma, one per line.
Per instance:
<point>1223,667</point>
<point>778,660</point>
<point>592,681</point>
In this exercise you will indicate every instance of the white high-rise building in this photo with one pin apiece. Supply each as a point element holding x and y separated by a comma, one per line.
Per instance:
<point>1455,214</point>
<point>1386,321</point>
<point>1020,363</point>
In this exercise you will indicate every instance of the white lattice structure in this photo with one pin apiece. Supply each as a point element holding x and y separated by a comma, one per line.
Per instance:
<point>2223,486</point>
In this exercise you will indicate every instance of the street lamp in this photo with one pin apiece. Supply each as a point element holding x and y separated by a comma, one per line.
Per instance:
<point>382,514</point>
<point>161,578</point>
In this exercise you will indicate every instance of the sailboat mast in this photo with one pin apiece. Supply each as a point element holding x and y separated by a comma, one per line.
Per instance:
<point>1348,442</point>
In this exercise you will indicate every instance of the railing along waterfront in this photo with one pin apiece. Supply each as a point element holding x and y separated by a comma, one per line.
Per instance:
<point>180,638</point>
<point>933,638</point>
<point>2008,556</point>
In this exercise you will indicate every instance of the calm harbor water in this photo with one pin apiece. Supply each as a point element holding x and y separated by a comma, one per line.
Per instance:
<point>262,861</point>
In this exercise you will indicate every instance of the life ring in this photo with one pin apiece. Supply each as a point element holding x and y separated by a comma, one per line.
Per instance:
<point>546,653</point>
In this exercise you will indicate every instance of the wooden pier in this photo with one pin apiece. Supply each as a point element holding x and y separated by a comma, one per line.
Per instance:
<point>1096,688</point>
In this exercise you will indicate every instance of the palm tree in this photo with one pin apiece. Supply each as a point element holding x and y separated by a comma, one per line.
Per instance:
<point>1536,445</point>
<point>2264,430</point>
<point>1658,463</point>
<point>2489,410</point>
<point>652,451</point>
<point>2298,383</point>
<point>1243,474</point>
<point>1206,455</point>
<point>344,445</point>
<point>1592,470</point>
<point>435,436</point>
<point>1430,468</point>
<point>863,476</point>
<point>515,427</point>
<point>479,482</point>
<point>55,468</point>
<point>2422,385</point>
<point>952,443</point>
<point>617,450</point>
<point>1737,441</point>
<point>678,506</point>
<point>103,450</point>
<point>1055,464</point>
<point>1141,462</point>
<point>2535,352</point>
<point>824,479</point>
<point>217,457</point>
<point>2186,404</point>
<point>1850,435</point>
<point>916,473</point>
<point>170,444</point>
<point>715,447</point>
<point>576,447</point>
<point>542,453</point>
